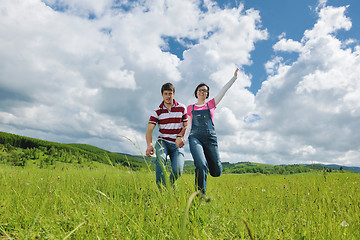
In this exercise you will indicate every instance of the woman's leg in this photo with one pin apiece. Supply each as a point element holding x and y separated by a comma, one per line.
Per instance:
<point>201,167</point>
<point>212,156</point>
<point>177,163</point>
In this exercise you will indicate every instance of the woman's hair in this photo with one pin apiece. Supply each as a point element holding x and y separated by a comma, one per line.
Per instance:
<point>201,85</point>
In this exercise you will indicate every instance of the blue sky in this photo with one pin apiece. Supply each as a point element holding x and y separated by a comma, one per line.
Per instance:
<point>90,71</point>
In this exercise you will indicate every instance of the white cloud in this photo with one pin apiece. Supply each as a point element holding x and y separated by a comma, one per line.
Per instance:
<point>330,20</point>
<point>120,79</point>
<point>288,45</point>
<point>304,151</point>
<point>272,67</point>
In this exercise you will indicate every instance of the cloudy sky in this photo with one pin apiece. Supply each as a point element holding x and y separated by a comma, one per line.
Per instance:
<point>90,71</point>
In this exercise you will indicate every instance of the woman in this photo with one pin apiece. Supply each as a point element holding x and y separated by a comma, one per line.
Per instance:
<point>201,134</point>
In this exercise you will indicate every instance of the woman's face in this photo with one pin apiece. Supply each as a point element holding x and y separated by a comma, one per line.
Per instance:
<point>202,92</point>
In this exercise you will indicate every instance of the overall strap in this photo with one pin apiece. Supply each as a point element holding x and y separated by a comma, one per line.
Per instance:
<point>210,113</point>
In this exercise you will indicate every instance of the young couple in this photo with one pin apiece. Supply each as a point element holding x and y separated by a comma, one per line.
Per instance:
<point>177,124</point>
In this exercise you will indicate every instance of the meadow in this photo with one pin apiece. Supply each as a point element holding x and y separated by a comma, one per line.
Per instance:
<point>105,202</point>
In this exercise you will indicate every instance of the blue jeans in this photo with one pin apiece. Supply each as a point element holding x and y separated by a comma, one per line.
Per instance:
<point>204,150</point>
<point>162,150</point>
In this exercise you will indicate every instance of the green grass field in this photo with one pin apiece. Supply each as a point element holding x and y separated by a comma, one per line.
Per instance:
<point>108,203</point>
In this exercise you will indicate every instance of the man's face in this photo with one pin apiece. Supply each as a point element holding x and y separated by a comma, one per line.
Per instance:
<point>168,96</point>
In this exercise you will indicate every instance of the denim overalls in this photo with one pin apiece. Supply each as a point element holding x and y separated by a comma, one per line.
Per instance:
<point>204,147</point>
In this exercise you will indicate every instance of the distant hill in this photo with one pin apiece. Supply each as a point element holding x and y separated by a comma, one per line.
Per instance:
<point>353,169</point>
<point>249,167</point>
<point>17,150</point>
<point>60,152</point>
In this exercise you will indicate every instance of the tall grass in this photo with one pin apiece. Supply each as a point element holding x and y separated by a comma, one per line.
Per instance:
<point>108,203</point>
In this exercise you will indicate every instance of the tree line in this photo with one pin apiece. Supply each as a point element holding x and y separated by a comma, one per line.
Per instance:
<point>248,167</point>
<point>18,150</point>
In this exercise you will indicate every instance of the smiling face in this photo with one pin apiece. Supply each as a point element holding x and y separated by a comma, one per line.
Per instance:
<point>202,91</point>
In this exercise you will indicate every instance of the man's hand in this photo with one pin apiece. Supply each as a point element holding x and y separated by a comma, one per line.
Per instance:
<point>149,150</point>
<point>179,142</point>
<point>148,136</point>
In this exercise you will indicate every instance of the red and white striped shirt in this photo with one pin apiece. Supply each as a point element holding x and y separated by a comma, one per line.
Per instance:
<point>170,122</point>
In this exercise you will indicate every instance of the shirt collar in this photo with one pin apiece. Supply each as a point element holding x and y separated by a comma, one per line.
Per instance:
<point>175,103</point>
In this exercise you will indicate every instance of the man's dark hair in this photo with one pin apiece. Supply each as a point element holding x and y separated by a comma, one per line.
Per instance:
<point>201,85</point>
<point>167,87</point>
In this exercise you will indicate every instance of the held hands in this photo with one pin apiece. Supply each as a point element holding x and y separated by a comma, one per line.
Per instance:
<point>179,142</point>
<point>149,150</point>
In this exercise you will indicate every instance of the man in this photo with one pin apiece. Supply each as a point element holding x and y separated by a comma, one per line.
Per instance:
<point>171,119</point>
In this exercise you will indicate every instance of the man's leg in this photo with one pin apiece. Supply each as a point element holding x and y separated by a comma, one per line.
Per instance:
<point>161,152</point>
<point>177,163</point>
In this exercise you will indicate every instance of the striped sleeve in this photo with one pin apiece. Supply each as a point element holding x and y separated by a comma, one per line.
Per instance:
<point>154,118</point>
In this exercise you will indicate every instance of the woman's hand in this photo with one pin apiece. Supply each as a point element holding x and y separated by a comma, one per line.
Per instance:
<point>235,73</point>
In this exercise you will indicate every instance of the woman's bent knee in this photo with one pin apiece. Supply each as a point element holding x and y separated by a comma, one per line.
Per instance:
<point>215,174</point>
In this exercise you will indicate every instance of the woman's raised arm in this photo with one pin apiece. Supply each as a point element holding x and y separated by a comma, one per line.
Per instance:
<point>225,88</point>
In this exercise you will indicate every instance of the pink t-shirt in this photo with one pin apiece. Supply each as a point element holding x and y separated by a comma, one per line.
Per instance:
<point>211,104</point>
